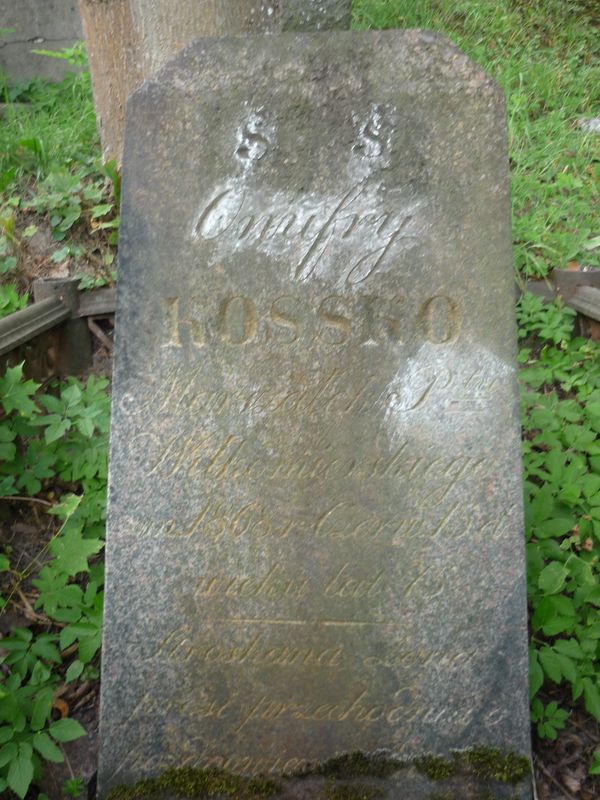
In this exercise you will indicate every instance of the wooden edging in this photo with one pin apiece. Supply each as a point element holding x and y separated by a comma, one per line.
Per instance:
<point>586,301</point>
<point>20,327</point>
<point>54,334</point>
<point>97,303</point>
<point>578,289</point>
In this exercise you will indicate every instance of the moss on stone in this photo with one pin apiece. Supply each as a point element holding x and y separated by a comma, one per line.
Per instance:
<point>490,764</point>
<point>485,763</point>
<point>355,765</point>
<point>437,768</point>
<point>481,762</point>
<point>340,773</point>
<point>199,784</point>
<point>345,791</point>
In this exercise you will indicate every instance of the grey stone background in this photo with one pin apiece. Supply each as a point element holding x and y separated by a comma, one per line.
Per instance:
<point>37,25</point>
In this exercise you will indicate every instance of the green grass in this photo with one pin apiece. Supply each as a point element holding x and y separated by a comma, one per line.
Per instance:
<point>47,126</point>
<point>53,182</point>
<point>546,56</point>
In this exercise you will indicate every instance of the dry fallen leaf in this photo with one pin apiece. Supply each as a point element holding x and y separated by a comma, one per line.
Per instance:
<point>571,782</point>
<point>62,707</point>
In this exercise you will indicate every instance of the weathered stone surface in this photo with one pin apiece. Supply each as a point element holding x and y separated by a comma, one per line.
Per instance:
<point>315,523</point>
<point>37,25</point>
<point>300,15</point>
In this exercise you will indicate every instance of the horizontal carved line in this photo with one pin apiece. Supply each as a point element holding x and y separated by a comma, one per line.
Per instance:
<point>324,622</point>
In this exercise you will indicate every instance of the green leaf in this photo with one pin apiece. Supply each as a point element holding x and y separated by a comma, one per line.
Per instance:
<point>57,429</point>
<point>74,787</point>
<point>555,527</point>
<point>72,550</point>
<point>89,647</point>
<point>570,494</point>
<point>45,648</point>
<point>16,393</point>
<point>567,667</point>
<point>6,264</point>
<point>39,674</point>
<point>591,244</point>
<point>101,210</point>
<point>46,748</point>
<point>42,708</point>
<point>551,664</point>
<point>558,625</point>
<point>536,674</point>
<point>74,671</point>
<point>591,696</point>
<point>6,734</point>
<point>8,753</point>
<point>548,730</point>
<point>67,506</point>
<point>67,636</point>
<point>591,485</point>
<point>86,426</point>
<point>66,730</point>
<point>552,578</point>
<point>18,641</point>
<point>570,647</point>
<point>20,775</point>
<point>25,749</point>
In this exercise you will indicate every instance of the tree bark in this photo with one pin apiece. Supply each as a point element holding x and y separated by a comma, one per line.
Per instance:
<point>162,32</point>
<point>128,40</point>
<point>114,64</point>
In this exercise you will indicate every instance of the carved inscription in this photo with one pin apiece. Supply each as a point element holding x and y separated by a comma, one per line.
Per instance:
<point>373,133</point>
<point>182,645</point>
<point>358,708</point>
<point>334,321</point>
<point>342,522</point>
<point>254,138</point>
<point>235,218</point>
<point>279,583</point>
<point>232,457</point>
<point>337,392</point>
<point>189,645</point>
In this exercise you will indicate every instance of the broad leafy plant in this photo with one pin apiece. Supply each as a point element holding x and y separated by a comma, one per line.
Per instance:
<point>560,399</point>
<point>51,440</point>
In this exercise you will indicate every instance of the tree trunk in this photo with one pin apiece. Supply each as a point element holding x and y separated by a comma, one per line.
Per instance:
<point>162,31</point>
<point>128,40</point>
<point>114,64</point>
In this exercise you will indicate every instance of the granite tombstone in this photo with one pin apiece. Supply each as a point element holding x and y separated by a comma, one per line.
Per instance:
<point>315,522</point>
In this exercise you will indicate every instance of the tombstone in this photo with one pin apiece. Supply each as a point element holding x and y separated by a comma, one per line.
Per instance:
<point>315,525</point>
